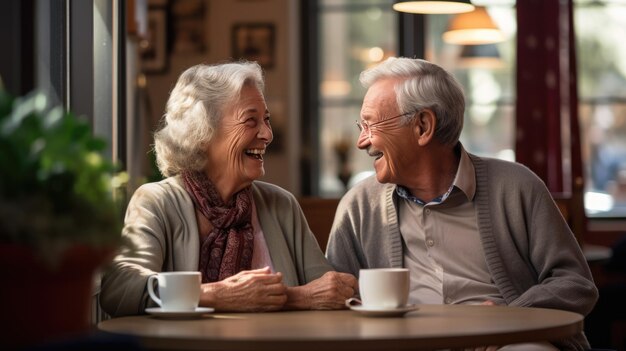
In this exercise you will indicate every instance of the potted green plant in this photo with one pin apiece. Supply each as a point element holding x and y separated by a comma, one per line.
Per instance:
<point>58,219</point>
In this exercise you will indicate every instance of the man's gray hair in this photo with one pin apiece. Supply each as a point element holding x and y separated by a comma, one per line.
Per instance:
<point>424,85</point>
<point>195,108</point>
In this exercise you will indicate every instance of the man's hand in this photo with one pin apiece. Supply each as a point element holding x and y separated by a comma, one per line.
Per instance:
<point>328,292</point>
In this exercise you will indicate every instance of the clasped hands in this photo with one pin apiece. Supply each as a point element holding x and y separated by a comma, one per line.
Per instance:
<point>261,290</point>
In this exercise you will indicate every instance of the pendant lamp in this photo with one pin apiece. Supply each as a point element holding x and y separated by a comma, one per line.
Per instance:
<point>473,28</point>
<point>434,7</point>
<point>483,56</point>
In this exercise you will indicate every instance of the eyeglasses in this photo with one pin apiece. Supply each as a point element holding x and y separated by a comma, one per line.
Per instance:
<point>367,128</point>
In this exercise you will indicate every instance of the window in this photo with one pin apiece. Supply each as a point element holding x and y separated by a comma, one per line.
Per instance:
<point>600,29</point>
<point>78,62</point>
<point>487,73</point>
<point>352,36</point>
<point>355,34</point>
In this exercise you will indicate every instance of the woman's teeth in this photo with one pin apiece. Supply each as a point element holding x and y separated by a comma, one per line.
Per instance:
<point>256,153</point>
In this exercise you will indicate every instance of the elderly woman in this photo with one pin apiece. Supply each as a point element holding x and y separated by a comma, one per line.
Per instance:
<point>249,239</point>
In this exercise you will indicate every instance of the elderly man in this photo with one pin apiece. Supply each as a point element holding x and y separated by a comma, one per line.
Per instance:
<point>471,230</point>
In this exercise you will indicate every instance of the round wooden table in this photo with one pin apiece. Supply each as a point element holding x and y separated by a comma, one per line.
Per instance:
<point>430,327</point>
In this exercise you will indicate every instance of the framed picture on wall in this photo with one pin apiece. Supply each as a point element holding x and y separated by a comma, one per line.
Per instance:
<point>254,42</point>
<point>154,46</point>
<point>157,3</point>
<point>189,26</point>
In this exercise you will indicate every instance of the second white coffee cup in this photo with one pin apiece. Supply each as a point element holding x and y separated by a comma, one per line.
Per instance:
<point>178,291</point>
<point>384,288</point>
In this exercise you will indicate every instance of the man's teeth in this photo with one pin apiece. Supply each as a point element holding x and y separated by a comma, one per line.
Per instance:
<point>256,151</point>
<point>376,155</point>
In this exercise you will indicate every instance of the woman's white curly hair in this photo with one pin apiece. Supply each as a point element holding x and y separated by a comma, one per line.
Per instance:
<point>194,110</point>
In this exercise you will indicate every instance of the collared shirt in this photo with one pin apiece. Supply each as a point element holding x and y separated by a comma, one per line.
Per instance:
<point>441,244</point>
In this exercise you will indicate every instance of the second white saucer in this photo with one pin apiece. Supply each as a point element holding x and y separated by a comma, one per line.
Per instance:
<point>377,312</point>
<point>159,312</point>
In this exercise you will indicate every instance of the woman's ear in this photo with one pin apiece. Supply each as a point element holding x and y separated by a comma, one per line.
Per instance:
<point>425,125</point>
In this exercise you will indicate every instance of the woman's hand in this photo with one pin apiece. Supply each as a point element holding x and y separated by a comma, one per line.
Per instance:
<point>254,290</point>
<point>328,292</point>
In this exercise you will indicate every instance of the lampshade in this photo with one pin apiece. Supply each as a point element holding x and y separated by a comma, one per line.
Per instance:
<point>434,7</point>
<point>484,50</point>
<point>483,56</point>
<point>473,28</point>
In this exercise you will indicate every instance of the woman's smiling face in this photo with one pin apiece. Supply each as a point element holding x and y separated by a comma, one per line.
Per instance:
<point>235,154</point>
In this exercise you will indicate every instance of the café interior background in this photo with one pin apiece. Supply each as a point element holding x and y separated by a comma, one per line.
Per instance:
<point>119,73</point>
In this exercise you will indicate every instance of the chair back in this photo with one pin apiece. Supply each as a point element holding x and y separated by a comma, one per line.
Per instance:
<point>320,213</point>
<point>573,210</point>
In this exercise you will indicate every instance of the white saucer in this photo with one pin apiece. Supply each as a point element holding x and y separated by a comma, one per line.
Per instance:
<point>378,312</point>
<point>159,312</point>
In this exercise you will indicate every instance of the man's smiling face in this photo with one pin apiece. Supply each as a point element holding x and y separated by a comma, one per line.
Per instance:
<point>392,143</point>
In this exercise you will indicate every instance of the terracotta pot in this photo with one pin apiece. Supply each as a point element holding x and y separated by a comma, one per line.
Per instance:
<point>42,302</point>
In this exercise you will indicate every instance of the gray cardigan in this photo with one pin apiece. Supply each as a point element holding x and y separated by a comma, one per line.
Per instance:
<point>161,222</point>
<point>530,251</point>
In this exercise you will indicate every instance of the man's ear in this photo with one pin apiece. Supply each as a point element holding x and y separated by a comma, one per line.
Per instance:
<point>425,125</point>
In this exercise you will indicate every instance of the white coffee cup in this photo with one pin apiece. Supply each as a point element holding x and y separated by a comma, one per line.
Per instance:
<point>178,291</point>
<point>384,288</point>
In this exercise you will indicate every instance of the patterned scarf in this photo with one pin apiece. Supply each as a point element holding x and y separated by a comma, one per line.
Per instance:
<point>227,249</point>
